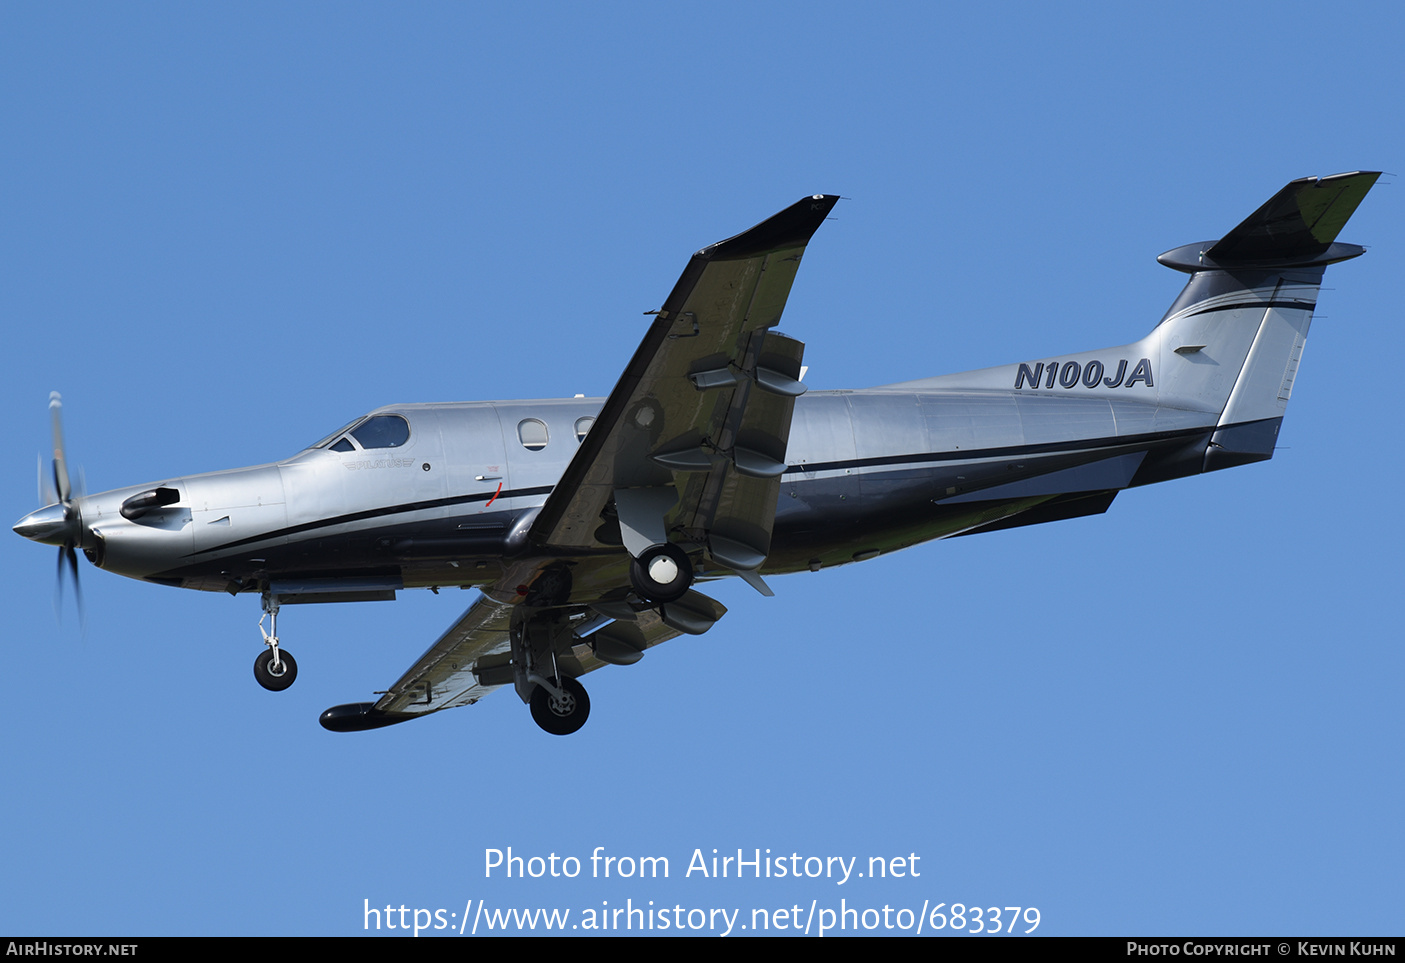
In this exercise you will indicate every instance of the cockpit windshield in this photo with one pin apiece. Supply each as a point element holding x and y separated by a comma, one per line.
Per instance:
<point>335,435</point>
<point>374,431</point>
<point>382,431</point>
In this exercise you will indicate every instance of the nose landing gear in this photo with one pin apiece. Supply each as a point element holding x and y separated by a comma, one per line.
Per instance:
<point>274,669</point>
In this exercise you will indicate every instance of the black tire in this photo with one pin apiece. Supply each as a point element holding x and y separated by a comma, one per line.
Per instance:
<point>557,718</point>
<point>263,670</point>
<point>650,588</point>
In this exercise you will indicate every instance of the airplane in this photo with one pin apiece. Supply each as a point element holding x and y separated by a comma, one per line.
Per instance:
<point>588,524</point>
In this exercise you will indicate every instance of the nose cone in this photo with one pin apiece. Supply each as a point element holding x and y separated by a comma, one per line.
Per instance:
<point>48,525</point>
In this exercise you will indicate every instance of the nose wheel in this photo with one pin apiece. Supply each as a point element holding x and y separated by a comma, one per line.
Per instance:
<point>274,669</point>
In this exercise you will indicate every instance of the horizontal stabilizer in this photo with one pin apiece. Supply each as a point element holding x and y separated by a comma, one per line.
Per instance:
<point>1077,505</point>
<point>1300,221</point>
<point>1109,474</point>
<point>1296,227</point>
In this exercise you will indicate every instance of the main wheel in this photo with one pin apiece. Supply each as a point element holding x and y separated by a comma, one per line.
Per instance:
<point>275,680</point>
<point>561,717</point>
<point>662,573</point>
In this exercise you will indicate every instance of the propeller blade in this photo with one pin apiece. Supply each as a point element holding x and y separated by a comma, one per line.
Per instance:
<point>58,587</point>
<point>69,553</point>
<point>60,462</point>
<point>63,492</point>
<point>47,495</point>
<point>77,585</point>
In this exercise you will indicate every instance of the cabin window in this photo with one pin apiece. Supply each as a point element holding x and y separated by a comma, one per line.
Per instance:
<point>343,445</point>
<point>583,428</point>
<point>382,431</point>
<point>532,434</point>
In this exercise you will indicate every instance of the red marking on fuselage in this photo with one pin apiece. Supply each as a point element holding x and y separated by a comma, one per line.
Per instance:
<point>495,495</point>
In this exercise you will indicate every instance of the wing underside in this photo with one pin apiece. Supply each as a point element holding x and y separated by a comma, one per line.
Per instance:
<point>444,676</point>
<point>688,448</point>
<point>474,655</point>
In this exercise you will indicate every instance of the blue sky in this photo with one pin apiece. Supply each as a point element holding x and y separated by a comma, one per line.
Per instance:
<point>228,230</point>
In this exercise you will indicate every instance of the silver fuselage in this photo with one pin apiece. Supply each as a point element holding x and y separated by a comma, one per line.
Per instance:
<point>869,471</point>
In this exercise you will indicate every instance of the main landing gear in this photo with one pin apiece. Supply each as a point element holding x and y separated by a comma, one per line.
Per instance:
<point>563,711</point>
<point>558,702</point>
<point>274,669</point>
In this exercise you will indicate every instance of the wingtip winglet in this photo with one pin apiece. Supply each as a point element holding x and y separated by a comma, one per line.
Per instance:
<point>792,227</point>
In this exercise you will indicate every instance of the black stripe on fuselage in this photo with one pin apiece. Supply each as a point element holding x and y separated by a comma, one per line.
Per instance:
<point>1014,451</point>
<point>377,513</point>
<point>1265,305</point>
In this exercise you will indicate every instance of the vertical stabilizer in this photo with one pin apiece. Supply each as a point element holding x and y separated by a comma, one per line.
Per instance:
<point>1242,321</point>
<point>1223,359</point>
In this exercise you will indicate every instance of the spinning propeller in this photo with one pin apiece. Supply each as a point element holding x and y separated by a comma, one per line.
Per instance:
<point>59,522</point>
